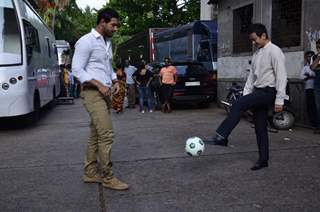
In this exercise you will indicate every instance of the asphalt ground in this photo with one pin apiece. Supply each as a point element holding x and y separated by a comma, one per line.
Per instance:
<point>41,166</point>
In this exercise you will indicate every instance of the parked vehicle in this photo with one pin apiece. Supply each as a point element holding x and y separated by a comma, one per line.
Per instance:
<point>196,41</point>
<point>29,71</point>
<point>64,52</point>
<point>138,47</point>
<point>281,120</point>
<point>195,85</point>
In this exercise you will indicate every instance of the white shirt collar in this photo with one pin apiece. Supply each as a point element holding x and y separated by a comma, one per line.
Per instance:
<point>95,33</point>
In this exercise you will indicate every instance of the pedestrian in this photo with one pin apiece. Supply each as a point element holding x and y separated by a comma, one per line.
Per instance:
<point>131,87</point>
<point>118,99</point>
<point>315,66</point>
<point>168,79</point>
<point>92,65</point>
<point>307,75</point>
<point>143,78</point>
<point>66,81</point>
<point>265,86</point>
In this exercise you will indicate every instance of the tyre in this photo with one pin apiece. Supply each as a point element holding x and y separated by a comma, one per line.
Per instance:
<point>203,104</point>
<point>283,120</point>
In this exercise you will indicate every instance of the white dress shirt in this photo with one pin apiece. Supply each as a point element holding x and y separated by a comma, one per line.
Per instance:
<point>92,59</point>
<point>268,69</point>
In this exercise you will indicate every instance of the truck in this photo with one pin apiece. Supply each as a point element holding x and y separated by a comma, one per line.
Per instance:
<point>139,47</point>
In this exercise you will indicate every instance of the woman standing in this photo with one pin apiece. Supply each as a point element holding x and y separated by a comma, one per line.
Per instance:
<point>168,79</point>
<point>118,99</point>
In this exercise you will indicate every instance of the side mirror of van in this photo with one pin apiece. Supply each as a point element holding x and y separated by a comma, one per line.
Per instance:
<point>29,53</point>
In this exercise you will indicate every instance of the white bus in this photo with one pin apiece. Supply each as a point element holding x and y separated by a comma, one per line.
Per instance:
<point>64,50</point>
<point>29,71</point>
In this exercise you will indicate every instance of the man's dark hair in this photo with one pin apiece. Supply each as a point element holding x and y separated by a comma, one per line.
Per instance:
<point>258,28</point>
<point>107,14</point>
<point>318,42</point>
<point>309,53</point>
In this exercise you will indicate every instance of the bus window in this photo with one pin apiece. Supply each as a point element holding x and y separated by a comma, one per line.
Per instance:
<point>31,36</point>
<point>10,38</point>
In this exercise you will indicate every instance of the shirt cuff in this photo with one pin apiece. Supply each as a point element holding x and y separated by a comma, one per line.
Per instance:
<point>279,101</point>
<point>114,76</point>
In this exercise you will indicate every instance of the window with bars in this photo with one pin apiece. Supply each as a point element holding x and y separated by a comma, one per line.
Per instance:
<point>242,18</point>
<point>286,22</point>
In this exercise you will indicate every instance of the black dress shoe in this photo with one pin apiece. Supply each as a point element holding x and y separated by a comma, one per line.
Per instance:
<point>217,141</point>
<point>259,165</point>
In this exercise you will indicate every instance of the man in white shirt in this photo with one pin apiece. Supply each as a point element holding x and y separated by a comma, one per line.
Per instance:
<point>265,87</point>
<point>130,84</point>
<point>92,65</point>
<point>307,75</point>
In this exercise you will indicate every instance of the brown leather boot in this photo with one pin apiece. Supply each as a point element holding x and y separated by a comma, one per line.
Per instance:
<point>114,183</point>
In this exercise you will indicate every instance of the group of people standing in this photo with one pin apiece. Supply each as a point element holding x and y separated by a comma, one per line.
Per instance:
<point>129,78</point>
<point>311,76</point>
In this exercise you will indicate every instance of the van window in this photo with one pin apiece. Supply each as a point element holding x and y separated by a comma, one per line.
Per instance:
<point>31,36</point>
<point>10,38</point>
<point>190,69</point>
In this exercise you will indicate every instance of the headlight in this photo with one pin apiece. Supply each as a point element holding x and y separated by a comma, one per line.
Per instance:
<point>13,80</point>
<point>5,86</point>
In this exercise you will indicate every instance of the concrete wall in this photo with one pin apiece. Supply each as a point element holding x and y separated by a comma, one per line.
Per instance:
<point>232,67</point>
<point>206,11</point>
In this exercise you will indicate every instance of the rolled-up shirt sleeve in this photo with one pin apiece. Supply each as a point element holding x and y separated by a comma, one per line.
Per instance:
<point>80,60</point>
<point>278,63</point>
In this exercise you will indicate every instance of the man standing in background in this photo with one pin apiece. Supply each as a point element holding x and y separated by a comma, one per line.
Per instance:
<point>130,84</point>
<point>307,75</point>
<point>315,66</point>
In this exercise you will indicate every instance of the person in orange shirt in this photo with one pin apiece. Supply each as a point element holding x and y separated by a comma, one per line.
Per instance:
<point>168,79</point>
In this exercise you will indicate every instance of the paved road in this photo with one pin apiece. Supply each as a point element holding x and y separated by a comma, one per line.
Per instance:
<point>41,167</point>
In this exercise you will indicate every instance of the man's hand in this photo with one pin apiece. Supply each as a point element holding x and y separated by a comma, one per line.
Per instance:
<point>278,108</point>
<point>115,88</point>
<point>104,90</point>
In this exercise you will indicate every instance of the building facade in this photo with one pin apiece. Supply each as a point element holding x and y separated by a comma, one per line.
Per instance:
<point>293,25</point>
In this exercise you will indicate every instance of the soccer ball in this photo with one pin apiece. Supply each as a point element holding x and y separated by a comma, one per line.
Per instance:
<point>194,146</point>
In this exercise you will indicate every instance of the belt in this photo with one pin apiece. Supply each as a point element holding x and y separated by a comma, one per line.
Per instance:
<point>88,86</point>
<point>268,88</point>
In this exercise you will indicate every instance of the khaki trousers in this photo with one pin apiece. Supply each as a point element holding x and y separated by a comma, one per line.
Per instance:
<point>98,154</point>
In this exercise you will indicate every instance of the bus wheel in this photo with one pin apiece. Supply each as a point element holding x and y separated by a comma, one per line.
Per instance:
<point>36,107</point>
<point>53,102</point>
<point>29,120</point>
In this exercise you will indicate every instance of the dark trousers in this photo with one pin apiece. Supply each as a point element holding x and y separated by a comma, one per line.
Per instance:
<point>311,107</point>
<point>259,102</point>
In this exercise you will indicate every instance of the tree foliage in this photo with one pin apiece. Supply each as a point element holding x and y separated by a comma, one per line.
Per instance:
<point>70,23</point>
<point>138,15</point>
<point>66,19</point>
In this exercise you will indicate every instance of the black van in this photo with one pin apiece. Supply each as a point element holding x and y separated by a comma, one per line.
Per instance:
<point>195,84</point>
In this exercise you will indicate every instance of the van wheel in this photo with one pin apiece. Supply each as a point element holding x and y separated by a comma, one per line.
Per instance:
<point>204,104</point>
